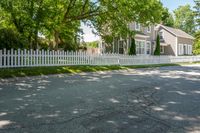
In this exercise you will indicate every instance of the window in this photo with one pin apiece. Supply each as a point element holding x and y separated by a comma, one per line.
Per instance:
<point>140,47</point>
<point>149,29</point>
<point>148,48</point>
<point>137,26</point>
<point>161,34</point>
<point>179,49</point>
<point>121,47</point>
<point>162,49</point>
<point>190,49</point>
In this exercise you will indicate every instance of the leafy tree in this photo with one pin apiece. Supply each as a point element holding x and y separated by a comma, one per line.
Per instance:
<point>197,12</point>
<point>184,19</point>
<point>120,13</point>
<point>59,21</point>
<point>157,50</point>
<point>197,34</point>
<point>133,47</point>
<point>197,43</point>
<point>167,18</point>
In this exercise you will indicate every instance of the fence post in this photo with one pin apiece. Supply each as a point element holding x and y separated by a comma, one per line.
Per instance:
<point>22,57</point>
<point>4,57</point>
<point>47,57</point>
<point>28,55</point>
<point>25,58</point>
<point>18,58</point>
<point>11,57</point>
<point>52,58</point>
<point>43,57</point>
<point>36,57</point>
<point>31,54</point>
<point>8,58</point>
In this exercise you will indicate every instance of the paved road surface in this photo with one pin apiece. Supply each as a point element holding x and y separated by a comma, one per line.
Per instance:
<point>157,100</point>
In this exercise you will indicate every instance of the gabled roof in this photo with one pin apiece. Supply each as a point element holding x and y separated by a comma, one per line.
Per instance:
<point>176,32</point>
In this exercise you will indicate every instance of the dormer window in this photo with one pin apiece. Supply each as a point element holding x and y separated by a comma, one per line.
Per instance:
<point>137,26</point>
<point>149,29</point>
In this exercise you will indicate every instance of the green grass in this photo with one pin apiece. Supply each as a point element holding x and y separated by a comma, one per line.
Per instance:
<point>34,71</point>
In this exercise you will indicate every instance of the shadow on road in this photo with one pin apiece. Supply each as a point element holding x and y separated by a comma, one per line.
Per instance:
<point>144,100</point>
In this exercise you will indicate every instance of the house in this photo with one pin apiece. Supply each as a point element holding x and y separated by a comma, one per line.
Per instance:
<point>172,41</point>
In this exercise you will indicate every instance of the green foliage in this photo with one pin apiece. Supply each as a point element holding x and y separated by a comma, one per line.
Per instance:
<point>132,50</point>
<point>119,13</point>
<point>197,12</point>
<point>60,20</point>
<point>93,44</point>
<point>10,39</point>
<point>157,50</point>
<point>167,18</point>
<point>196,50</point>
<point>184,19</point>
<point>43,45</point>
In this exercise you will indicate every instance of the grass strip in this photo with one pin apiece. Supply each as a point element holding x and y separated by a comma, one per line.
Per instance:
<point>36,71</point>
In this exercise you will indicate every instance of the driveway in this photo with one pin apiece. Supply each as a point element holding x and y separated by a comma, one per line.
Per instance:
<point>155,100</point>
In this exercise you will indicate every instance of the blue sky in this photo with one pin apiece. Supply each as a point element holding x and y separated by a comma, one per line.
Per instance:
<point>171,4</point>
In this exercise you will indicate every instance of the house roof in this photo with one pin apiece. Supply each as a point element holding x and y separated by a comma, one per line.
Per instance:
<point>176,32</point>
<point>140,34</point>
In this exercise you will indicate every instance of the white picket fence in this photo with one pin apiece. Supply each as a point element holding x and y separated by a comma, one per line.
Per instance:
<point>33,58</point>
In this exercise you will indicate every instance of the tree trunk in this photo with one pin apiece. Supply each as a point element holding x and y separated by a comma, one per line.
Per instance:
<point>56,37</point>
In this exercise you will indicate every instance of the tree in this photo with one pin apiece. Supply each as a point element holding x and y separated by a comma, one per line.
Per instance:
<point>157,50</point>
<point>120,13</point>
<point>184,19</point>
<point>167,18</point>
<point>59,21</point>
<point>197,12</point>
<point>197,43</point>
<point>133,47</point>
<point>197,34</point>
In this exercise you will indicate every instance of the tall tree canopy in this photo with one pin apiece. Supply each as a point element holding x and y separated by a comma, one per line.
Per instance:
<point>184,19</point>
<point>59,21</point>
<point>197,13</point>
<point>167,18</point>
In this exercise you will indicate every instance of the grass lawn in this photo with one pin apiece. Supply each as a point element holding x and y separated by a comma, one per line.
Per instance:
<point>34,71</point>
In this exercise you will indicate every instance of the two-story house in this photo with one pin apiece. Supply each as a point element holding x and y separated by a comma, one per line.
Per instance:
<point>172,41</point>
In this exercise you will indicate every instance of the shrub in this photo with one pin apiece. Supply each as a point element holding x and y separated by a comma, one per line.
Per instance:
<point>10,39</point>
<point>157,50</point>
<point>132,50</point>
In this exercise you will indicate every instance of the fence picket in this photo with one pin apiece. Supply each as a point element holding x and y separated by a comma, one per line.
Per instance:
<point>4,57</point>
<point>8,58</point>
<point>18,58</point>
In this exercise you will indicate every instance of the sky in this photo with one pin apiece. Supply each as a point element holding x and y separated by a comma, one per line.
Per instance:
<point>171,4</point>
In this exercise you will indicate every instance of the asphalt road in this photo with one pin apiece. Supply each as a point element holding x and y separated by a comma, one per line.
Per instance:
<point>157,100</point>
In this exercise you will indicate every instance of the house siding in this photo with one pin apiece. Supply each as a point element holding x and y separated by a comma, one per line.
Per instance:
<point>169,39</point>
<point>185,41</point>
<point>182,40</point>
